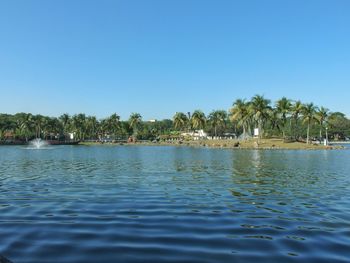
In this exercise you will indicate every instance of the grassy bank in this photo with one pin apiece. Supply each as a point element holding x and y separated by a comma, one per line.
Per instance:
<point>231,144</point>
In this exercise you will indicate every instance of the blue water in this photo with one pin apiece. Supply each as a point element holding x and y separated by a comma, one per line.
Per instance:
<point>171,204</point>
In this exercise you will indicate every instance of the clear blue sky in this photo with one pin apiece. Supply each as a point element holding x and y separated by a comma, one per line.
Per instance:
<point>159,57</point>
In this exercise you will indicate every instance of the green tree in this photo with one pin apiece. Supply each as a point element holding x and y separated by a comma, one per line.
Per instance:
<point>322,115</point>
<point>79,125</point>
<point>283,107</point>
<point>240,114</point>
<point>198,120</point>
<point>260,109</point>
<point>25,125</point>
<point>180,120</point>
<point>308,117</point>
<point>38,122</point>
<point>92,127</point>
<point>134,122</point>
<point>65,121</point>
<point>275,121</point>
<point>296,111</point>
<point>113,123</point>
<point>339,126</point>
<point>7,124</point>
<point>217,119</point>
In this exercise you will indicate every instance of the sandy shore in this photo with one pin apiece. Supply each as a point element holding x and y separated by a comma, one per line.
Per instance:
<point>265,144</point>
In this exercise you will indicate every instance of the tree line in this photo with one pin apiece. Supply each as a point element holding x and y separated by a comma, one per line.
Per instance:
<point>285,118</point>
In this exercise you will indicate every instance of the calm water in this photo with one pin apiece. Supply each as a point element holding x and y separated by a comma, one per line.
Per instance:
<point>167,204</point>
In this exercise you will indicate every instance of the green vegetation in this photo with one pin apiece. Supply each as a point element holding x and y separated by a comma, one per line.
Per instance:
<point>286,119</point>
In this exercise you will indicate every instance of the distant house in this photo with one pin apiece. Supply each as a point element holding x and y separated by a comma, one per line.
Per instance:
<point>197,134</point>
<point>9,135</point>
<point>154,120</point>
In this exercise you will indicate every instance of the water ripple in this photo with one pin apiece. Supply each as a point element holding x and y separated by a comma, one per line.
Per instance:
<point>171,204</point>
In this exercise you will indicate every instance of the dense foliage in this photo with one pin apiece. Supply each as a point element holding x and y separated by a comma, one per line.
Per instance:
<point>286,119</point>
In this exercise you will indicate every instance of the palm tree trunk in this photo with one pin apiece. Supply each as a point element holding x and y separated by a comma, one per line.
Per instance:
<point>308,133</point>
<point>250,129</point>
<point>260,131</point>
<point>290,126</point>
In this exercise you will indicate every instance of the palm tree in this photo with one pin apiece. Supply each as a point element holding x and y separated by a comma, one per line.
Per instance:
<point>39,122</point>
<point>24,125</point>
<point>283,107</point>
<point>260,109</point>
<point>51,126</point>
<point>103,127</point>
<point>217,119</point>
<point>134,122</point>
<point>240,113</point>
<point>180,120</point>
<point>322,116</point>
<point>198,120</point>
<point>296,110</point>
<point>65,120</point>
<point>79,125</point>
<point>275,120</point>
<point>308,116</point>
<point>45,126</point>
<point>92,125</point>
<point>113,123</point>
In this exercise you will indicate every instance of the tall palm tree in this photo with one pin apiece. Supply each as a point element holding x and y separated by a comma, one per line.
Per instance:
<point>309,116</point>
<point>260,109</point>
<point>322,115</point>
<point>39,122</point>
<point>103,127</point>
<point>51,126</point>
<point>275,120</point>
<point>113,124</point>
<point>283,107</point>
<point>240,113</point>
<point>296,111</point>
<point>198,120</point>
<point>134,122</point>
<point>79,125</point>
<point>65,120</point>
<point>45,126</point>
<point>25,125</point>
<point>180,120</point>
<point>92,126</point>
<point>217,119</point>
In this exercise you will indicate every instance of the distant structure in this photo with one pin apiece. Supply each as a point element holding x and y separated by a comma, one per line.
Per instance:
<point>153,120</point>
<point>198,134</point>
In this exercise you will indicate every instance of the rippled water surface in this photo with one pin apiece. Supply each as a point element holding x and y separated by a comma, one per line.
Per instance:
<point>167,204</point>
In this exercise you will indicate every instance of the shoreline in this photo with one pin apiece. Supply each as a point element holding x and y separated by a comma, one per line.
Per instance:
<point>252,144</point>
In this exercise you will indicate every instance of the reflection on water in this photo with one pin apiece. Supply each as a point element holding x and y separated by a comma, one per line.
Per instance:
<point>137,204</point>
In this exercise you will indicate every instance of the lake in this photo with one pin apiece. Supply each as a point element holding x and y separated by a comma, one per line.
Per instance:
<point>171,204</point>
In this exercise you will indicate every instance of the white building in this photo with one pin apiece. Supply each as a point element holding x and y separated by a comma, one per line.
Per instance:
<point>198,134</point>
